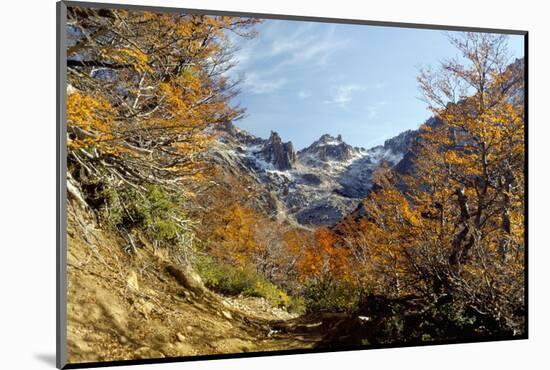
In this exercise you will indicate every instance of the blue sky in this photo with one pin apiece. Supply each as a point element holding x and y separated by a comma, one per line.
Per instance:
<point>305,79</point>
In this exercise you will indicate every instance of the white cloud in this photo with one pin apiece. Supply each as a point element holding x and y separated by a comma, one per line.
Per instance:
<point>307,45</point>
<point>289,42</point>
<point>259,85</point>
<point>242,56</point>
<point>262,64</point>
<point>343,94</point>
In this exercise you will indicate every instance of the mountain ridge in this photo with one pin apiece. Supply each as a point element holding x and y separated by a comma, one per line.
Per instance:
<point>314,186</point>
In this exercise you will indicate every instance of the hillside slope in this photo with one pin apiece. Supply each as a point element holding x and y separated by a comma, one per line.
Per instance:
<point>131,305</point>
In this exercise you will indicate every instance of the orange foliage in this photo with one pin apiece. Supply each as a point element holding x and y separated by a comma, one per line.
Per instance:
<point>148,87</point>
<point>93,116</point>
<point>324,257</point>
<point>457,229</point>
<point>234,236</point>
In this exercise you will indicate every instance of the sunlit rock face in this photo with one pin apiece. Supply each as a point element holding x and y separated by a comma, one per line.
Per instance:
<point>328,148</point>
<point>281,155</point>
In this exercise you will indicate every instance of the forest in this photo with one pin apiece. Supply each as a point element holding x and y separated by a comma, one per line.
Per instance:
<point>434,251</point>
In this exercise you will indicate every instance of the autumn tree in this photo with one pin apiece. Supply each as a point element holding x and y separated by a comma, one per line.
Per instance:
<point>324,257</point>
<point>452,230</point>
<point>144,88</point>
<point>475,163</point>
<point>274,246</point>
<point>234,237</point>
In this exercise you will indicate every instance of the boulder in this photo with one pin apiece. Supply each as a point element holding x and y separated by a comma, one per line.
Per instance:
<point>187,278</point>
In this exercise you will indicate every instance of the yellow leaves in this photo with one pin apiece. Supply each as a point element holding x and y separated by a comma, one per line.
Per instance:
<point>452,157</point>
<point>518,225</point>
<point>92,121</point>
<point>186,98</point>
<point>190,79</point>
<point>392,210</point>
<point>148,16</point>
<point>81,143</point>
<point>173,96</point>
<point>93,115</point>
<point>129,55</point>
<point>89,113</point>
<point>234,235</point>
<point>187,147</point>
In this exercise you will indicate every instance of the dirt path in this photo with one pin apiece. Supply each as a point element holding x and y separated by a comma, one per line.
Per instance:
<point>125,306</point>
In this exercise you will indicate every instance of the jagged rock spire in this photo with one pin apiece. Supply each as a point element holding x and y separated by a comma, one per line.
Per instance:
<point>281,155</point>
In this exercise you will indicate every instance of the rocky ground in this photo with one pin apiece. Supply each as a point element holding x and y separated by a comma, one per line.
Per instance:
<point>125,305</point>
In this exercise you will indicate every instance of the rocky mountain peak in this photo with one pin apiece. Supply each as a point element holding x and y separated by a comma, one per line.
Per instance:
<point>281,155</point>
<point>275,137</point>
<point>328,148</point>
<point>329,139</point>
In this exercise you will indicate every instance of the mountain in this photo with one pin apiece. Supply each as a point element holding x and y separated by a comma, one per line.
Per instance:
<point>280,154</point>
<point>327,149</point>
<point>317,185</point>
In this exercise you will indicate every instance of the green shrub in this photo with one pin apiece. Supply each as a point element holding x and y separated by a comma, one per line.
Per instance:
<point>393,327</point>
<point>223,278</point>
<point>276,296</point>
<point>155,212</point>
<point>328,295</point>
<point>297,305</point>
<point>231,280</point>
